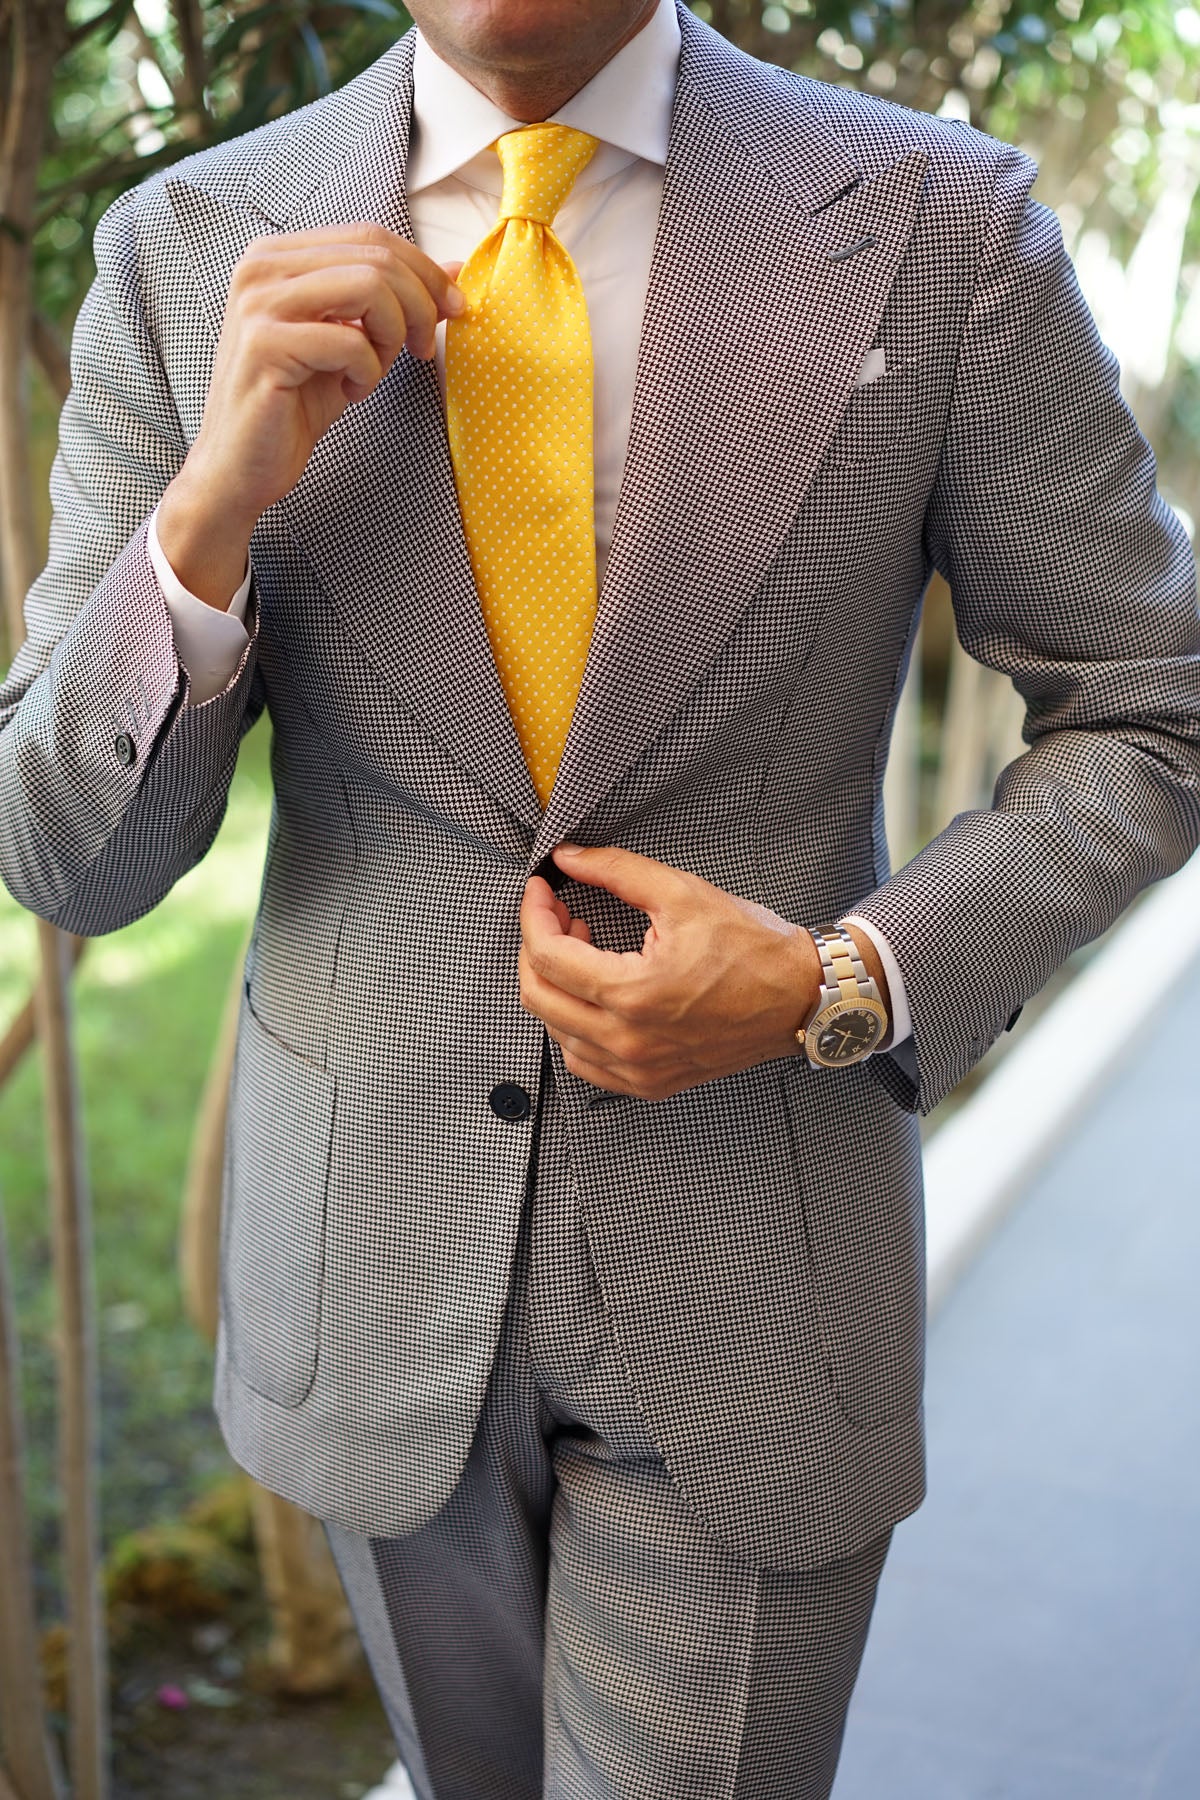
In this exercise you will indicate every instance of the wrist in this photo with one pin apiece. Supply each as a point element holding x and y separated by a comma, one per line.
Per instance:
<point>802,966</point>
<point>866,947</point>
<point>205,536</point>
<point>849,1020</point>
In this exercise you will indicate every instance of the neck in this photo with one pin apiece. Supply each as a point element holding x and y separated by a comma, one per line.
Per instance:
<point>532,92</point>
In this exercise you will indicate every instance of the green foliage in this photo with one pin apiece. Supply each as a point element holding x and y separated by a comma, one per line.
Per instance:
<point>1099,86</point>
<point>1107,98</point>
<point>127,101</point>
<point>178,1569</point>
<point>1082,83</point>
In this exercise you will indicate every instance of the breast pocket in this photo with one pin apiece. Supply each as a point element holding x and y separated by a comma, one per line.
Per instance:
<point>879,417</point>
<point>273,1222</point>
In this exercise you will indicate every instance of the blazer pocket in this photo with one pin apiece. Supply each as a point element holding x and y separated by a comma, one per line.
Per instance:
<point>273,1223</point>
<point>878,417</point>
<point>863,1239</point>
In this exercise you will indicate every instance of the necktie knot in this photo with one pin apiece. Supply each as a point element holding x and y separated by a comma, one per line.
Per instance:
<point>541,165</point>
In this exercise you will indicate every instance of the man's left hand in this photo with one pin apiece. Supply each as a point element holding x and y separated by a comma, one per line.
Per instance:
<point>720,983</point>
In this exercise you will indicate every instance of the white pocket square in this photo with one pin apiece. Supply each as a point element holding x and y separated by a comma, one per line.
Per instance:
<point>874,366</point>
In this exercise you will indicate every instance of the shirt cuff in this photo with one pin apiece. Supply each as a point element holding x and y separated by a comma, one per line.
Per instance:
<point>897,998</point>
<point>208,642</point>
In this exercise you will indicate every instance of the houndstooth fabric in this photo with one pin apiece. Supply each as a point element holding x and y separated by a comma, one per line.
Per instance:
<point>759,1240</point>
<point>567,1626</point>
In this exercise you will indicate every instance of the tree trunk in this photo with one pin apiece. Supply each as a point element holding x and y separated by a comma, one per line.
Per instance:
<point>189,25</point>
<point>21,1034</point>
<point>200,1221</point>
<point>38,35</point>
<point>7,1792</point>
<point>79,1400</point>
<point>314,1647</point>
<point>27,1750</point>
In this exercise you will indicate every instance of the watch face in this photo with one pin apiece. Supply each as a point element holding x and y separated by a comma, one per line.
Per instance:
<point>847,1034</point>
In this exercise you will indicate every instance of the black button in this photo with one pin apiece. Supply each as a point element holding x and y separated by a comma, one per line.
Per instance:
<point>549,871</point>
<point>508,1101</point>
<point>126,750</point>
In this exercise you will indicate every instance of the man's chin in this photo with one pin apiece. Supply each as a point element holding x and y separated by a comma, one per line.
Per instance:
<point>528,37</point>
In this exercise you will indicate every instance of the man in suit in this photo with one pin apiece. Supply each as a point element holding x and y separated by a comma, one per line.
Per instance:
<point>572,1255</point>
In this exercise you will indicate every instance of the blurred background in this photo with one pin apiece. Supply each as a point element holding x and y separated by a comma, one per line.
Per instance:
<point>227,1650</point>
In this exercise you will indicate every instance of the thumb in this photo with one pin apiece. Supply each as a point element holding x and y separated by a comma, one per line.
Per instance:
<point>653,887</point>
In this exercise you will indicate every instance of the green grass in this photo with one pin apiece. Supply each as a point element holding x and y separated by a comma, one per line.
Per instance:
<point>148,1005</point>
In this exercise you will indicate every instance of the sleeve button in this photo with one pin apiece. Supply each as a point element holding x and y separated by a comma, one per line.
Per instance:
<point>126,750</point>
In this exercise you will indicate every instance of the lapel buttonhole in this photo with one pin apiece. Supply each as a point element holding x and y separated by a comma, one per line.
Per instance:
<point>844,255</point>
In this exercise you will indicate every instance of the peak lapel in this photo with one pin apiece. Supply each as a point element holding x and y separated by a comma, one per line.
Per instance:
<point>756,325</point>
<point>376,511</point>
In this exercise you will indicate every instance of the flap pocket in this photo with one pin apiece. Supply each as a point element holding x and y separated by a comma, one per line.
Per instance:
<point>273,1224</point>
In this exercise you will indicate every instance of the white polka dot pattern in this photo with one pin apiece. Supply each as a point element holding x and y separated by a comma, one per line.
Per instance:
<point>519,412</point>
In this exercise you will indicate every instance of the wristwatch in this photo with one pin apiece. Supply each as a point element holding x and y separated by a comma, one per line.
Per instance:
<point>849,1019</point>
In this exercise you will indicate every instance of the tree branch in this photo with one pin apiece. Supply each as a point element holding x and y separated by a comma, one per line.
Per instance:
<point>115,171</point>
<point>189,22</point>
<point>89,27</point>
<point>53,360</point>
<point>153,53</point>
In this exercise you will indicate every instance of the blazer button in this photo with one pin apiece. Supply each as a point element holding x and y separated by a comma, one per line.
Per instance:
<point>125,750</point>
<point>508,1101</point>
<point>550,872</point>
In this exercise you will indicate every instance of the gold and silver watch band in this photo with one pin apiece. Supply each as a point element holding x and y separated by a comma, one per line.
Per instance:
<point>841,965</point>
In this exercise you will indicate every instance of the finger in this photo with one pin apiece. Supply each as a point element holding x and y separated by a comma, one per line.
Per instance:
<point>653,887</point>
<point>580,929</point>
<point>276,267</point>
<point>294,253</point>
<point>354,294</point>
<point>540,896</point>
<point>566,961</point>
<point>394,307</point>
<point>560,1011</point>
<point>326,349</point>
<point>597,1074</point>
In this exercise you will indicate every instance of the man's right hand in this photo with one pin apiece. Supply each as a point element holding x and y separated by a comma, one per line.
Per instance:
<point>313,322</point>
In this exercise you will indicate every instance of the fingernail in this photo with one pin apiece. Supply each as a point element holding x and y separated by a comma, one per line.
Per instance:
<point>569,850</point>
<point>456,302</point>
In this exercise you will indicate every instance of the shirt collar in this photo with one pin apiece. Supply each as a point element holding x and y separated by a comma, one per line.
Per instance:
<point>627,105</point>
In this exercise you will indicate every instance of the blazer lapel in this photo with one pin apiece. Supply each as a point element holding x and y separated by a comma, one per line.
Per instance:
<point>376,511</point>
<point>756,325</point>
<point>771,268</point>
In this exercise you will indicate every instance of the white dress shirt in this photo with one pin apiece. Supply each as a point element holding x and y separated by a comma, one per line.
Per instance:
<point>607,223</point>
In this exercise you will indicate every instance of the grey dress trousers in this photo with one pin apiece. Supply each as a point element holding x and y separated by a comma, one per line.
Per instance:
<point>567,1625</point>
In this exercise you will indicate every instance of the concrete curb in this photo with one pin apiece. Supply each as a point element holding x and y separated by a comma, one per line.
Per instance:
<point>980,1162</point>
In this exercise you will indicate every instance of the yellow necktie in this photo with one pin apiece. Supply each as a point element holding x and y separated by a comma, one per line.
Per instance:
<point>519,414</point>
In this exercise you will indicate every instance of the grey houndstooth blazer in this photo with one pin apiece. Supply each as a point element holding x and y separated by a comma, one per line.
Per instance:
<point>758,1240</point>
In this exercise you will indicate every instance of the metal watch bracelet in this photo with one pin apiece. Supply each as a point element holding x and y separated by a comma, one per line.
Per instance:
<point>841,965</point>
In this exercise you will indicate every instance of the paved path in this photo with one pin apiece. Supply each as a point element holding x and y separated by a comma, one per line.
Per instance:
<point>1037,1635</point>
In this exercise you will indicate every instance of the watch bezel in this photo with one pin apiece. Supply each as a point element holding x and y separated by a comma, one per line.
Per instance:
<point>835,1009</point>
